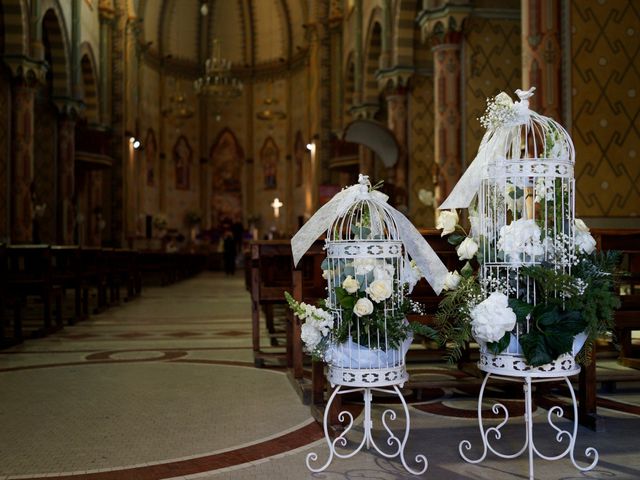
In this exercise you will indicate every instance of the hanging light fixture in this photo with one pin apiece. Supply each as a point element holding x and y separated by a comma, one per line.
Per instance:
<point>217,82</point>
<point>270,111</point>
<point>178,109</point>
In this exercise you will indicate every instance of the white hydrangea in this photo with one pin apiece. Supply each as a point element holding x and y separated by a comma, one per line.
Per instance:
<point>383,271</point>
<point>362,266</point>
<point>545,189</point>
<point>584,240</point>
<point>311,336</point>
<point>492,318</point>
<point>521,237</point>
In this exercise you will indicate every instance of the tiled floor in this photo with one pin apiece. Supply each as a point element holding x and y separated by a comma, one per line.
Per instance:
<point>164,387</point>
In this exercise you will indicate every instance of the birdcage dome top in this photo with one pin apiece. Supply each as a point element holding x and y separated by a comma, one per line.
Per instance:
<point>515,132</point>
<point>367,218</point>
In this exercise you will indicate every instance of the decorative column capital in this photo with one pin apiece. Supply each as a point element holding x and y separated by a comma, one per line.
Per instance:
<point>443,24</point>
<point>25,69</point>
<point>68,107</point>
<point>395,78</point>
<point>364,110</point>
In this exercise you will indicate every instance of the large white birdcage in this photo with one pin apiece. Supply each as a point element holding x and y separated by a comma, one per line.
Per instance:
<point>526,213</point>
<point>367,269</point>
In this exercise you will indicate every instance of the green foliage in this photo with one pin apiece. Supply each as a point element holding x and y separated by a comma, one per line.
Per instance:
<point>452,318</point>
<point>500,345</point>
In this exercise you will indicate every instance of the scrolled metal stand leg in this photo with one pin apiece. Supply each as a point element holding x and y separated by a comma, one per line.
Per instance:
<point>419,458</point>
<point>312,456</point>
<point>528,422</point>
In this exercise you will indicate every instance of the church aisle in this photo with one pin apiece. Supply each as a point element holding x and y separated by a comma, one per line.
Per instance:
<point>164,387</point>
<point>150,389</point>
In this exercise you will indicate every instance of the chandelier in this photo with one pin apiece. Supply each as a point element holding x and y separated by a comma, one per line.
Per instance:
<point>270,111</point>
<point>217,82</point>
<point>179,109</point>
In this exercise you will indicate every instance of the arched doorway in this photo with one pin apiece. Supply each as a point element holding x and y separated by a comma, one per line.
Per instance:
<point>226,158</point>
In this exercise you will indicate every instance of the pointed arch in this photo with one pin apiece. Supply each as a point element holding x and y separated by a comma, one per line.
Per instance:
<point>150,154</point>
<point>269,158</point>
<point>182,159</point>
<point>227,158</point>
<point>372,58</point>
<point>15,26</point>
<point>404,23</point>
<point>56,47</point>
<point>299,152</point>
<point>89,83</point>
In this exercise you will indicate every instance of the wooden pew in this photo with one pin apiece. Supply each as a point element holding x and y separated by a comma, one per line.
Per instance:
<point>66,273</point>
<point>30,273</point>
<point>627,319</point>
<point>271,276</point>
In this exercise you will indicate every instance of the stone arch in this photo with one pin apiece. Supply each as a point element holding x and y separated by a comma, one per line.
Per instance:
<point>89,83</point>
<point>349,82</point>
<point>226,158</point>
<point>182,159</point>
<point>372,59</point>
<point>15,26</point>
<point>269,157</point>
<point>56,47</point>
<point>150,154</point>
<point>404,22</point>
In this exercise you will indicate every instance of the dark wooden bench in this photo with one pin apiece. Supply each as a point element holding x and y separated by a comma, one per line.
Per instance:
<point>66,272</point>
<point>30,274</point>
<point>627,319</point>
<point>271,276</point>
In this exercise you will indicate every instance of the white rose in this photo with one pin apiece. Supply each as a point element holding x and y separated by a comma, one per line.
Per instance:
<point>581,226</point>
<point>585,242</point>
<point>379,290</point>
<point>447,221</point>
<point>310,335</point>
<point>326,274</point>
<point>452,280</point>
<point>467,249</point>
<point>350,284</point>
<point>363,307</point>
<point>492,318</point>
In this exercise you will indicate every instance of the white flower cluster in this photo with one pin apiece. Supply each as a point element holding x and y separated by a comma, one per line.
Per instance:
<point>584,241</point>
<point>493,283</point>
<point>521,237</point>
<point>492,318</point>
<point>545,189</point>
<point>500,111</point>
<point>561,250</point>
<point>318,324</point>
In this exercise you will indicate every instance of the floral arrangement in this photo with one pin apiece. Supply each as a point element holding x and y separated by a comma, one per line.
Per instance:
<point>568,304</point>
<point>371,295</point>
<point>160,221</point>
<point>540,285</point>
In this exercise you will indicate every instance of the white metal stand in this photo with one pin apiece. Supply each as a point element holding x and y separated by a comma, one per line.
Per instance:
<point>367,439</point>
<point>529,444</point>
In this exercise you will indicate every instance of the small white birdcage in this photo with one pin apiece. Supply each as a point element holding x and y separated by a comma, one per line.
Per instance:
<point>362,334</point>
<point>366,264</point>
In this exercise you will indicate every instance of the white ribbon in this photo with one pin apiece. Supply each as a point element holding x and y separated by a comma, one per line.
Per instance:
<point>432,268</point>
<point>495,143</point>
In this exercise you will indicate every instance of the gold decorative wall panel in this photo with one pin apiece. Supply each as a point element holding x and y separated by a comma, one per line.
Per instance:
<point>605,79</point>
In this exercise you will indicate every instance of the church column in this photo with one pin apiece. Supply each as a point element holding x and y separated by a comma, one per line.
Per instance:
<point>541,55</point>
<point>22,162</point>
<point>447,113</point>
<point>397,122</point>
<point>27,73</point>
<point>66,163</point>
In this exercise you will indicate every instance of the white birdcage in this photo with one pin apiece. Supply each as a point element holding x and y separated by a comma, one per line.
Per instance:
<point>526,212</point>
<point>366,335</point>
<point>365,252</point>
<point>524,179</point>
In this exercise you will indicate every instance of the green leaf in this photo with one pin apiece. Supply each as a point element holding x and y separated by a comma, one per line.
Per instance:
<point>520,308</point>
<point>548,316</point>
<point>535,348</point>
<point>558,340</point>
<point>455,238</point>
<point>497,347</point>
<point>424,330</point>
<point>467,270</point>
